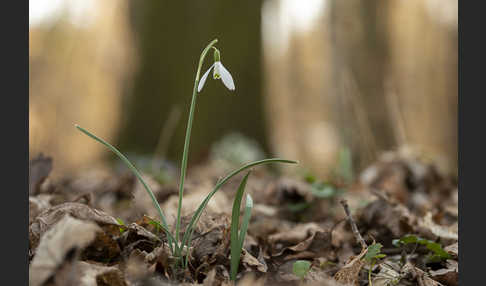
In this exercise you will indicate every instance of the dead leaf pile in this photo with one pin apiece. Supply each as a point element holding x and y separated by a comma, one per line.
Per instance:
<point>97,228</point>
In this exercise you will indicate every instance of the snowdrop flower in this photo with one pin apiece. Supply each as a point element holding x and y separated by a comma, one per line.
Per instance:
<point>219,72</point>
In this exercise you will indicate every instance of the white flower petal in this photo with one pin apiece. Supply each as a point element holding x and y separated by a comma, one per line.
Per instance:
<point>226,77</point>
<point>203,79</point>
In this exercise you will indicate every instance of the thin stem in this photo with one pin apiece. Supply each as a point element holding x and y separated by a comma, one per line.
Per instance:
<point>354,228</point>
<point>369,274</point>
<point>188,138</point>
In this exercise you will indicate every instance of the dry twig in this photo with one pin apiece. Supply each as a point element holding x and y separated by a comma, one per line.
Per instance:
<point>354,228</point>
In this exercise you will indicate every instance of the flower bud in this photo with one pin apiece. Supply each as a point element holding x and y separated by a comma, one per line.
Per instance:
<point>217,56</point>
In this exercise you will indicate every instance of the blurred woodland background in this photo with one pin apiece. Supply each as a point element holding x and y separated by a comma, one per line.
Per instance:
<point>314,78</point>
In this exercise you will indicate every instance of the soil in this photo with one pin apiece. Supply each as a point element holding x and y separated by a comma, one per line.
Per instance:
<point>96,227</point>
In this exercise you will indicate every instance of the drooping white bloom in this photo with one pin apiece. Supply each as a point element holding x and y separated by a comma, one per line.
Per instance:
<point>219,72</point>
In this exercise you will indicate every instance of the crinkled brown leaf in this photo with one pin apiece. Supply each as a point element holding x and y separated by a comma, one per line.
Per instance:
<point>420,276</point>
<point>103,249</point>
<point>136,232</point>
<point>211,238</point>
<point>448,232</point>
<point>389,274</point>
<point>250,262</point>
<point>304,241</point>
<point>294,235</point>
<point>395,218</point>
<point>44,221</point>
<point>453,249</point>
<point>67,234</point>
<point>37,204</point>
<point>349,273</point>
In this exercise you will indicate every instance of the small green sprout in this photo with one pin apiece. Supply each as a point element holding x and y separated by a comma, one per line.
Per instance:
<point>323,190</point>
<point>176,244</point>
<point>237,240</point>
<point>373,252</point>
<point>438,253</point>
<point>122,226</point>
<point>300,268</point>
<point>371,257</point>
<point>156,224</point>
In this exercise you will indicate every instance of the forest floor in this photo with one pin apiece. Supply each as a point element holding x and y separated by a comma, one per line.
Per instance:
<point>96,228</point>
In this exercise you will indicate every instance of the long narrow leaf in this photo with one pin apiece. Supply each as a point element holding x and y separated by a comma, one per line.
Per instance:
<point>186,240</point>
<point>139,176</point>
<point>246,220</point>
<point>235,219</point>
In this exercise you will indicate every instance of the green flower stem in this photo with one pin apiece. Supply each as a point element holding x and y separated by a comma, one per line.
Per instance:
<point>369,274</point>
<point>188,138</point>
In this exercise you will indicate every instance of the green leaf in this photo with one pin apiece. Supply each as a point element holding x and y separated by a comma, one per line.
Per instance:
<point>298,207</point>
<point>322,190</point>
<point>310,178</point>
<point>186,240</point>
<point>125,160</point>
<point>122,227</point>
<point>246,219</point>
<point>301,268</point>
<point>157,224</point>
<point>373,252</point>
<point>436,248</point>
<point>236,239</point>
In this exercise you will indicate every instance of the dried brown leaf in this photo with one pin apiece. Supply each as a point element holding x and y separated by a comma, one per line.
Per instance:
<point>420,276</point>
<point>98,275</point>
<point>349,273</point>
<point>447,232</point>
<point>295,235</point>
<point>103,248</point>
<point>396,218</point>
<point>453,249</point>
<point>318,244</point>
<point>388,275</point>
<point>45,220</point>
<point>37,204</point>
<point>67,234</point>
<point>250,262</point>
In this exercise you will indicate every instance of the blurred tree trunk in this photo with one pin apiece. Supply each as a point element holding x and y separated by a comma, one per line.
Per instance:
<point>360,53</point>
<point>170,36</point>
<point>371,76</point>
<point>395,70</point>
<point>423,76</point>
<point>77,74</point>
<point>298,107</point>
